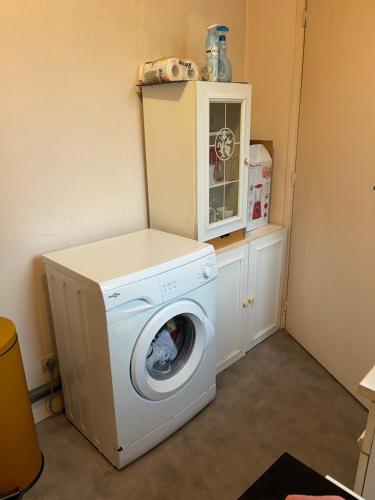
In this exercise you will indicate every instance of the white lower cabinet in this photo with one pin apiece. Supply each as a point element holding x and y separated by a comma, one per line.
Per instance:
<point>266,264</point>
<point>249,287</point>
<point>230,314</point>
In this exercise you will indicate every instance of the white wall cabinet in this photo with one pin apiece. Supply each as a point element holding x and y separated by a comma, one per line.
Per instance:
<point>250,276</point>
<point>196,137</point>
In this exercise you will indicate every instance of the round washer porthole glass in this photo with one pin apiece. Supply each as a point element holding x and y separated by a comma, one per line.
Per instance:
<point>171,347</point>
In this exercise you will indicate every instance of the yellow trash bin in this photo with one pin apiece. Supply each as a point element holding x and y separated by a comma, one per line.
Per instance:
<point>21,461</point>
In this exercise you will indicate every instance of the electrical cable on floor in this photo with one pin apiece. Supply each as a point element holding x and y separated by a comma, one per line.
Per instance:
<point>51,364</point>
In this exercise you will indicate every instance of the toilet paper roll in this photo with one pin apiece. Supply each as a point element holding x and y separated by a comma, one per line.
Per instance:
<point>167,69</point>
<point>191,70</point>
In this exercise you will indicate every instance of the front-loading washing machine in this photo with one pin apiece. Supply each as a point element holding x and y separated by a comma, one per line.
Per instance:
<point>133,318</point>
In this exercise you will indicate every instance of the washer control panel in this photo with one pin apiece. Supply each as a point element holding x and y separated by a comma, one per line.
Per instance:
<point>207,269</point>
<point>169,287</point>
<point>187,277</point>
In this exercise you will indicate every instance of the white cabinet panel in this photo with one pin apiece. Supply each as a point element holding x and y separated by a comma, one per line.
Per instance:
<point>365,479</point>
<point>266,261</point>
<point>369,489</point>
<point>231,315</point>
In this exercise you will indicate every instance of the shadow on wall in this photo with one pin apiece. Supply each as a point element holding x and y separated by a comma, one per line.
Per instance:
<point>42,307</point>
<point>139,95</point>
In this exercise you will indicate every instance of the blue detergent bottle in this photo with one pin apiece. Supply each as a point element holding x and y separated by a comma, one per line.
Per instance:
<point>212,54</point>
<point>225,67</point>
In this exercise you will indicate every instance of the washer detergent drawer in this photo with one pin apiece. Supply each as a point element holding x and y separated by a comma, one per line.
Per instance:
<point>129,298</point>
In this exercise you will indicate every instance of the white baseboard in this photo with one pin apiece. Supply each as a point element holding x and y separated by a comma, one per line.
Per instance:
<point>225,364</point>
<point>262,337</point>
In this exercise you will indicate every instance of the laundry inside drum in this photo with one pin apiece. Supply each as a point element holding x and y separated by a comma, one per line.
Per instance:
<point>171,347</point>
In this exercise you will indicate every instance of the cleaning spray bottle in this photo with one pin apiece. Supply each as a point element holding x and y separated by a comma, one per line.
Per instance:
<point>225,67</point>
<point>212,54</point>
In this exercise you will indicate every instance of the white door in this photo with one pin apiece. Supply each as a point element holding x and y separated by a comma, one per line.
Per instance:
<point>223,134</point>
<point>231,316</point>
<point>266,259</point>
<point>169,349</point>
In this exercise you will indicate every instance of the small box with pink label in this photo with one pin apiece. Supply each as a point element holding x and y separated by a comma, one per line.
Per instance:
<point>259,186</point>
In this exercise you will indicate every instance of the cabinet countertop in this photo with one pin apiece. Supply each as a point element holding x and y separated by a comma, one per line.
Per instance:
<point>251,236</point>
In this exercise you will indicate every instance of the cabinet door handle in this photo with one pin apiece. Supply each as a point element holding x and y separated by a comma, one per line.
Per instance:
<point>247,161</point>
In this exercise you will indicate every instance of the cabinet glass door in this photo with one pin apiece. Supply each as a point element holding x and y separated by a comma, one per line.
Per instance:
<point>224,161</point>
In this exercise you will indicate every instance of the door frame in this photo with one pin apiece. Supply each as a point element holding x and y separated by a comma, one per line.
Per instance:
<point>294,113</point>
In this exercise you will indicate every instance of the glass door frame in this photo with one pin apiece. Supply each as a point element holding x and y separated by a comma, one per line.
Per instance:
<point>212,225</point>
<point>221,93</point>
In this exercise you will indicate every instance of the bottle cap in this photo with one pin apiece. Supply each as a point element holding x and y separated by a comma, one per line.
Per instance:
<point>222,28</point>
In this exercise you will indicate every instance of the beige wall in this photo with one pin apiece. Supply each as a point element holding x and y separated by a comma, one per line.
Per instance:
<point>270,63</point>
<point>71,156</point>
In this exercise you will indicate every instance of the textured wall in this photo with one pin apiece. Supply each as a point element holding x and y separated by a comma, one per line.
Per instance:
<point>71,154</point>
<point>270,57</point>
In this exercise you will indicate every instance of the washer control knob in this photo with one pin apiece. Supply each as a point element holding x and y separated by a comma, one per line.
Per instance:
<point>207,272</point>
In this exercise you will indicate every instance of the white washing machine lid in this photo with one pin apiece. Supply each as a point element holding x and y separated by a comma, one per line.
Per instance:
<point>159,375</point>
<point>127,258</point>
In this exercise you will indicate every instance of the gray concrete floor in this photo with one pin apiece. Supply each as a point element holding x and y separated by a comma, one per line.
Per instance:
<point>277,398</point>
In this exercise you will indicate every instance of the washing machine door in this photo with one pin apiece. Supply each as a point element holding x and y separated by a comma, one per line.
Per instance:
<point>169,349</point>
